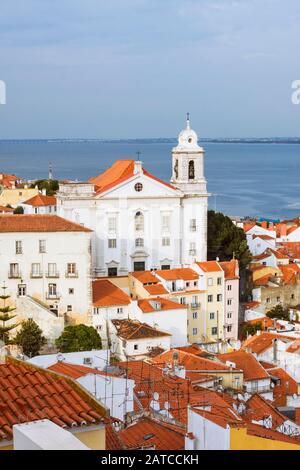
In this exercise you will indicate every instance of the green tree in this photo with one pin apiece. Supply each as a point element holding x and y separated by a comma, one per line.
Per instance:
<point>5,317</point>
<point>30,338</point>
<point>251,329</point>
<point>51,186</point>
<point>78,338</point>
<point>19,210</point>
<point>224,240</point>
<point>279,312</point>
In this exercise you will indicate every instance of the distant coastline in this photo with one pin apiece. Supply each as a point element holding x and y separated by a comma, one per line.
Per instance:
<point>163,140</point>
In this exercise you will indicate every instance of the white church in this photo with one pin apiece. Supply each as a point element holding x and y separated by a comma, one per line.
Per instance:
<point>140,222</point>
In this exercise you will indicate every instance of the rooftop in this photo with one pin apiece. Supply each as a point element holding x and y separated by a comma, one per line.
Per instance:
<point>133,329</point>
<point>107,294</point>
<point>159,304</point>
<point>41,200</point>
<point>245,361</point>
<point>38,223</point>
<point>210,266</point>
<point>185,274</point>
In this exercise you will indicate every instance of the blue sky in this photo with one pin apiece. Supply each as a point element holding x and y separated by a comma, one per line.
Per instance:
<point>132,68</point>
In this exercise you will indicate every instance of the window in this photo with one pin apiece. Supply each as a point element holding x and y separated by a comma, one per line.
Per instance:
<point>120,310</point>
<point>112,224</point>
<point>229,328</point>
<point>166,241</point>
<point>69,308</point>
<point>139,242</point>
<point>71,291</point>
<point>214,331</point>
<point>195,283</point>
<point>112,243</point>
<point>36,270</point>
<point>19,249</point>
<point>112,272</point>
<point>187,284</point>
<point>219,298</point>
<point>138,187</point>
<point>211,316</point>
<point>191,170</point>
<point>14,270</point>
<point>195,315</point>
<point>195,331</point>
<point>210,281</point>
<point>268,300</point>
<point>183,300</point>
<point>71,269</point>
<point>165,266</point>
<point>292,296</point>
<point>165,223</point>
<point>136,347</point>
<point>229,301</point>
<point>139,266</point>
<point>52,270</point>
<point>139,222</point>
<point>193,225</point>
<point>42,246</point>
<point>219,281</point>
<point>52,290</point>
<point>209,298</point>
<point>229,315</point>
<point>229,287</point>
<point>278,299</point>
<point>193,248</point>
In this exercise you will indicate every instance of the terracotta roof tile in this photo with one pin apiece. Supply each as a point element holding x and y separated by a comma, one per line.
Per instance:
<point>153,433</point>
<point>133,329</point>
<point>189,361</point>
<point>230,268</point>
<point>38,223</point>
<point>156,289</point>
<point>210,266</point>
<point>259,343</point>
<point>158,304</point>
<point>22,401</point>
<point>186,274</point>
<point>253,370</point>
<point>145,277</point>
<point>41,200</point>
<point>107,294</point>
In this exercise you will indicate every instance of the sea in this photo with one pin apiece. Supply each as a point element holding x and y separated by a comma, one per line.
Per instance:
<point>244,179</point>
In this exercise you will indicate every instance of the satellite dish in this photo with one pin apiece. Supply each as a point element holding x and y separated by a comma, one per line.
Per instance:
<point>246,396</point>
<point>156,396</point>
<point>295,396</point>
<point>240,397</point>
<point>60,357</point>
<point>154,405</point>
<point>166,405</point>
<point>175,356</point>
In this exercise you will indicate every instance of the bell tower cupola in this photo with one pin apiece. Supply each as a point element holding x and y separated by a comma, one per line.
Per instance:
<point>188,162</point>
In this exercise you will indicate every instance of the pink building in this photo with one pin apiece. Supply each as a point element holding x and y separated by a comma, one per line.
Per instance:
<point>231,307</point>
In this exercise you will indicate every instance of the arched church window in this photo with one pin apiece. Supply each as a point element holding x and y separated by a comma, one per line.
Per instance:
<point>191,170</point>
<point>176,169</point>
<point>139,242</point>
<point>139,221</point>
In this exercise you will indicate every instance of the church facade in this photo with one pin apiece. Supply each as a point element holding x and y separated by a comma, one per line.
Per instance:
<point>140,222</point>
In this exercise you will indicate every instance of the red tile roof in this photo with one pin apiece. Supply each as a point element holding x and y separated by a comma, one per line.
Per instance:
<point>7,180</point>
<point>41,200</point>
<point>287,386</point>
<point>194,349</point>
<point>210,266</point>
<point>38,223</point>
<point>156,289</point>
<point>149,305</point>
<point>145,277</point>
<point>153,433</point>
<point>189,361</point>
<point>253,370</point>
<point>185,274</point>
<point>291,273</point>
<point>291,249</point>
<point>252,305</point>
<point>106,294</point>
<point>259,343</point>
<point>75,371</point>
<point>29,393</point>
<point>133,329</point>
<point>230,268</point>
<point>294,347</point>
<point>6,209</point>
<point>120,171</point>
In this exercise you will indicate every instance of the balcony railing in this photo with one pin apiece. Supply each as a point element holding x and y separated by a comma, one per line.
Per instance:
<point>258,389</point>
<point>72,275</point>
<point>36,275</point>
<point>53,295</point>
<point>195,304</point>
<point>14,275</point>
<point>52,274</point>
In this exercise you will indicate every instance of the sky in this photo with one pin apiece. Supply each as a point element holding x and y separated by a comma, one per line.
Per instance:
<point>133,68</point>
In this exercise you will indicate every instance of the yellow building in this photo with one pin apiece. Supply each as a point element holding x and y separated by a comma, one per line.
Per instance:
<point>14,197</point>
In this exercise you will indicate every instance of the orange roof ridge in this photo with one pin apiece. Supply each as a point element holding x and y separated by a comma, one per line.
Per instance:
<point>38,223</point>
<point>41,200</point>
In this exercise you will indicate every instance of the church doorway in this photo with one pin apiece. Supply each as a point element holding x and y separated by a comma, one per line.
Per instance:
<point>139,266</point>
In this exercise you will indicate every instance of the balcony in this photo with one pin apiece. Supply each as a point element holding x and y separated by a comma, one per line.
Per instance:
<point>53,295</point>
<point>72,275</point>
<point>14,274</point>
<point>52,274</point>
<point>36,275</point>
<point>195,305</point>
<point>258,389</point>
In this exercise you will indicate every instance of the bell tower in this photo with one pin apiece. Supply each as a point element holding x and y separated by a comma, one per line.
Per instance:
<point>188,162</point>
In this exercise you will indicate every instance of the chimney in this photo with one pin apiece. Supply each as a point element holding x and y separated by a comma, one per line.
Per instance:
<point>44,191</point>
<point>264,224</point>
<point>275,349</point>
<point>138,167</point>
<point>283,230</point>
